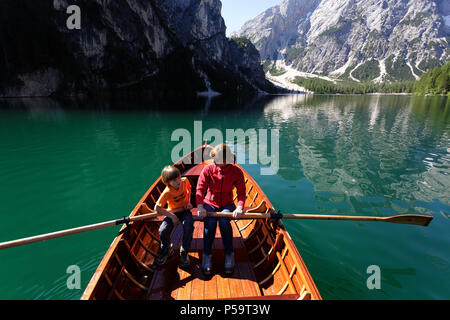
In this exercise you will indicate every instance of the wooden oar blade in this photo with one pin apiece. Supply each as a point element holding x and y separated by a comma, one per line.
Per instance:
<point>415,219</point>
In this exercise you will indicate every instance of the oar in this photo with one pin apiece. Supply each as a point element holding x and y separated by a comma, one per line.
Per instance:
<point>254,213</point>
<point>414,219</point>
<point>260,213</point>
<point>62,233</point>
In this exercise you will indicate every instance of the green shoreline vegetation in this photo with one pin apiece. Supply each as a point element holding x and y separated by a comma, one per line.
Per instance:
<point>434,82</point>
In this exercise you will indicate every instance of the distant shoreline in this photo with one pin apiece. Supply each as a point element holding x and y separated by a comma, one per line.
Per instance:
<point>364,94</point>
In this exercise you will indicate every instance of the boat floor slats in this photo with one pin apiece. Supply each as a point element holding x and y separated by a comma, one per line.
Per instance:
<point>185,282</point>
<point>172,282</point>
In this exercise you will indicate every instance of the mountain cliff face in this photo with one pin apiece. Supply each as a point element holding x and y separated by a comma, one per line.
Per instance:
<point>153,48</point>
<point>363,40</point>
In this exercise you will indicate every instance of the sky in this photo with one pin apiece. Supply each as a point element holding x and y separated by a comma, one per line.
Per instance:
<point>237,12</point>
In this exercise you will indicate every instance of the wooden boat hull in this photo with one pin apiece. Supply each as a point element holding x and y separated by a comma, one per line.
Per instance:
<point>268,264</point>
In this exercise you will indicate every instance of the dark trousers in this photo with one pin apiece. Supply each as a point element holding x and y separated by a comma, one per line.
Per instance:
<point>166,228</point>
<point>210,226</point>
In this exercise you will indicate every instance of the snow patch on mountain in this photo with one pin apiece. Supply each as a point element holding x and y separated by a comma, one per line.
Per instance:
<point>334,37</point>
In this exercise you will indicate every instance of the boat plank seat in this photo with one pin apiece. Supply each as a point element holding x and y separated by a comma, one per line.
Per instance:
<point>171,282</point>
<point>196,170</point>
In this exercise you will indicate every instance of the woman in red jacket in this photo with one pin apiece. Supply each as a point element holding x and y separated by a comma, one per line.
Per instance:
<point>217,180</point>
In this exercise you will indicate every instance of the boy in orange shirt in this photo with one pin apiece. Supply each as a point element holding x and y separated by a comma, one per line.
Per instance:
<point>177,196</point>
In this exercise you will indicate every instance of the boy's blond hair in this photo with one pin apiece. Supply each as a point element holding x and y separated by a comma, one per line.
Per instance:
<point>222,154</point>
<point>169,173</point>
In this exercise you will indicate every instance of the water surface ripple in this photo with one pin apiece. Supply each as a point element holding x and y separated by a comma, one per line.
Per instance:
<point>349,155</point>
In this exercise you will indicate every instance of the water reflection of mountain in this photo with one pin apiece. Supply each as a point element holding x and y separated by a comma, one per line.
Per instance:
<point>351,146</point>
<point>388,146</point>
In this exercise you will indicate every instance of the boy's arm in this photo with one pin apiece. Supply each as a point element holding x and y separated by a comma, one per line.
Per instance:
<point>159,208</point>
<point>166,213</point>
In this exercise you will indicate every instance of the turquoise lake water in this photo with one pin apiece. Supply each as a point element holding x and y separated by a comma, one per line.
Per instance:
<point>351,155</point>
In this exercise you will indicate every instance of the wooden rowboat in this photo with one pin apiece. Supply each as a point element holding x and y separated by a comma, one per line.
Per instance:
<point>268,264</point>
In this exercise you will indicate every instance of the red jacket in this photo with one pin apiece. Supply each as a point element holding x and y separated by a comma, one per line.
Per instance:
<point>220,183</point>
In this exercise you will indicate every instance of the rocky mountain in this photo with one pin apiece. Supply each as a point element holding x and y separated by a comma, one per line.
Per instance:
<point>362,40</point>
<point>152,48</point>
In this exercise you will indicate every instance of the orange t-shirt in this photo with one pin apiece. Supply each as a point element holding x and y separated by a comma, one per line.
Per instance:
<point>175,198</point>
